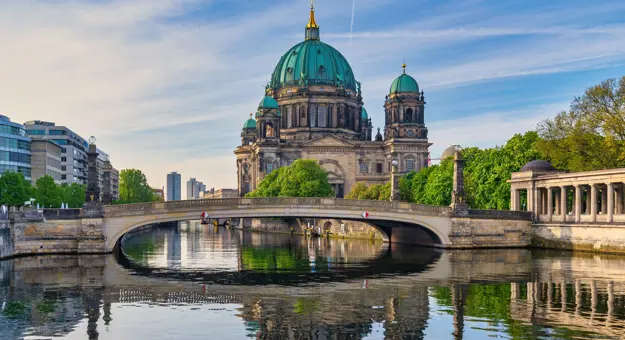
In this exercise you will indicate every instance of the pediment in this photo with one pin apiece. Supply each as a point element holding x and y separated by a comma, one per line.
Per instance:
<point>328,141</point>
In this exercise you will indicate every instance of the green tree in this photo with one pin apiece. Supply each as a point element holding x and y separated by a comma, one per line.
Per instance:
<point>405,187</point>
<point>134,188</point>
<point>73,194</point>
<point>47,193</point>
<point>14,189</point>
<point>591,135</point>
<point>440,183</point>
<point>358,190</point>
<point>303,178</point>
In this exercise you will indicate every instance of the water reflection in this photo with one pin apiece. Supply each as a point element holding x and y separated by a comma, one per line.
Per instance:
<point>195,283</point>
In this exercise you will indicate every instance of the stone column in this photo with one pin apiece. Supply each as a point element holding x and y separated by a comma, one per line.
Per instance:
<point>563,207</point>
<point>593,202</point>
<point>539,202</point>
<point>458,199</point>
<point>514,199</point>
<point>610,201</point>
<point>458,298</point>
<point>563,296</point>
<point>604,200</point>
<point>578,203</point>
<point>549,203</point>
<point>588,200</point>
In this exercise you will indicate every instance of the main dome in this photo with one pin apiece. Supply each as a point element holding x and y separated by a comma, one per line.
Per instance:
<point>312,62</point>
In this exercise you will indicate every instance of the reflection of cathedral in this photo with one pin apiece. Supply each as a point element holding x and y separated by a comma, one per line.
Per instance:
<point>313,109</point>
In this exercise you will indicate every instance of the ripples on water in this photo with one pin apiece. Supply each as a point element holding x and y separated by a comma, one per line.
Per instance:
<point>198,282</point>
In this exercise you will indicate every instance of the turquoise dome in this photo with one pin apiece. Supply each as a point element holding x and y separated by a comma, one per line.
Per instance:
<point>364,113</point>
<point>313,62</point>
<point>268,103</point>
<point>249,124</point>
<point>404,83</point>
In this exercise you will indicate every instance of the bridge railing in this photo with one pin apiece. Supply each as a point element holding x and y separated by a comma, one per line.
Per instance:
<point>501,214</point>
<point>301,201</point>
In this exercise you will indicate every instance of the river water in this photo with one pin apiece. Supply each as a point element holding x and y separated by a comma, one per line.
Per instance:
<point>203,282</point>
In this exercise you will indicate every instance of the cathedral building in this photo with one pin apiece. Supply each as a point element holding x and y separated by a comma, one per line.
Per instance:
<point>313,109</point>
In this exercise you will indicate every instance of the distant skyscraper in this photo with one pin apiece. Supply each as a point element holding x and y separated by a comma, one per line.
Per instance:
<point>191,188</point>
<point>174,186</point>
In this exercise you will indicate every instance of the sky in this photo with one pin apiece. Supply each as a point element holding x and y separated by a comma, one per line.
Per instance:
<point>166,85</point>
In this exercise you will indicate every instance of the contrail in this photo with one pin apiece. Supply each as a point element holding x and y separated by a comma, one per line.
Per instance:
<point>351,27</point>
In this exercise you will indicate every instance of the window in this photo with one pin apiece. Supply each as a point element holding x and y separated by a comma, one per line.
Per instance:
<point>410,165</point>
<point>313,117</point>
<point>63,159</point>
<point>35,132</point>
<point>60,141</point>
<point>363,167</point>
<point>408,116</point>
<point>322,116</point>
<point>268,168</point>
<point>289,116</point>
<point>378,168</point>
<point>57,132</point>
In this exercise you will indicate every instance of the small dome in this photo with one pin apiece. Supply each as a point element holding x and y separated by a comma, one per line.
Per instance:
<point>450,151</point>
<point>364,114</point>
<point>538,165</point>
<point>249,124</point>
<point>404,83</point>
<point>268,103</point>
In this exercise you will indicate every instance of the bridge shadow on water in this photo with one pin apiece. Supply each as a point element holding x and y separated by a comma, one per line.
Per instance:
<point>388,262</point>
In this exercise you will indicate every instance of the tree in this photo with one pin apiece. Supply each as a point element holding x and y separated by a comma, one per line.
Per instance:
<point>591,135</point>
<point>405,187</point>
<point>73,194</point>
<point>358,190</point>
<point>48,193</point>
<point>14,189</point>
<point>303,178</point>
<point>134,188</point>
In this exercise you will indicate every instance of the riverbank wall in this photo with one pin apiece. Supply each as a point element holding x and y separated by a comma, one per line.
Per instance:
<point>299,226</point>
<point>579,237</point>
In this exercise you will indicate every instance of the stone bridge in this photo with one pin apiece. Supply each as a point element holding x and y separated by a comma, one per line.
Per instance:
<point>399,222</point>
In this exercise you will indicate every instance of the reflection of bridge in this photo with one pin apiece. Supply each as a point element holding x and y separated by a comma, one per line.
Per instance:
<point>580,297</point>
<point>399,222</point>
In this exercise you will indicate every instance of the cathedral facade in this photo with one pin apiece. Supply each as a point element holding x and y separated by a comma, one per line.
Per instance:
<point>313,109</point>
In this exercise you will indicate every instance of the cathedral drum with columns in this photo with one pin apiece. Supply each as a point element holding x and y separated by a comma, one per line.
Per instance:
<point>313,109</point>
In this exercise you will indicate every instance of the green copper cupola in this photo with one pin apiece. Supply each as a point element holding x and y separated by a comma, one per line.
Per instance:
<point>312,29</point>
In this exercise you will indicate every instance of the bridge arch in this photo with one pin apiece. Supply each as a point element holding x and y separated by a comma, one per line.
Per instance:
<point>399,221</point>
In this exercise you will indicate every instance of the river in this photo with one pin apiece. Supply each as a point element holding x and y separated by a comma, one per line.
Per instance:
<point>203,282</point>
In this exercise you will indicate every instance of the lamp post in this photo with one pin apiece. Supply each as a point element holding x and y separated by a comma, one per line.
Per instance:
<point>394,180</point>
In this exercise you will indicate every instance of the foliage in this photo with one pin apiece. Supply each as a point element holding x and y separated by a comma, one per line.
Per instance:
<point>358,191</point>
<point>48,193</point>
<point>405,187</point>
<point>14,189</point>
<point>73,194</point>
<point>591,135</point>
<point>15,309</point>
<point>303,178</point>
<point>305,305</point>
<point>361,191</point>
<point>134,188</point>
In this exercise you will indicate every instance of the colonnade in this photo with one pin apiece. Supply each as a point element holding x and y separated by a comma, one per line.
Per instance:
<point>594,202</point>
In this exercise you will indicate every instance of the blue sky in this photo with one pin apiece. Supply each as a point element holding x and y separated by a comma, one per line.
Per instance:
<point>165,85</point>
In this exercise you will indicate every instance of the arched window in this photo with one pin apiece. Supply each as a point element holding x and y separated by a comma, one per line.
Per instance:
<point>313,116</point>
<point>322,116</point>
<point>410,165</point>
<point>269,130</point>
<point>408,116</point>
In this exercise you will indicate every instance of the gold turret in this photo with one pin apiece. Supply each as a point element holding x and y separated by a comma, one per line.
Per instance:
<point>311,22</point>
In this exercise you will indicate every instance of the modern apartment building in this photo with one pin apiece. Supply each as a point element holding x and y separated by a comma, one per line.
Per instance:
<point>15,154</point>
<point>46,160</point>
<point>73,153</point>
<point>174,186</point>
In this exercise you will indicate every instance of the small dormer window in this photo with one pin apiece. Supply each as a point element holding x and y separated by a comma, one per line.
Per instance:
<point>322,69</point>
<point>289,70</point>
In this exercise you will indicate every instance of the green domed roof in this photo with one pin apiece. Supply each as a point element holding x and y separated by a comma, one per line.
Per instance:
<point>249,124</point>
<point>404,83</point>
<point>313,62</point>
<point>364,113</point>
<point>268,103</point>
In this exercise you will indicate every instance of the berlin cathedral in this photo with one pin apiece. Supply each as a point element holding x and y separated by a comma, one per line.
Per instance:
<point>313,109</point>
